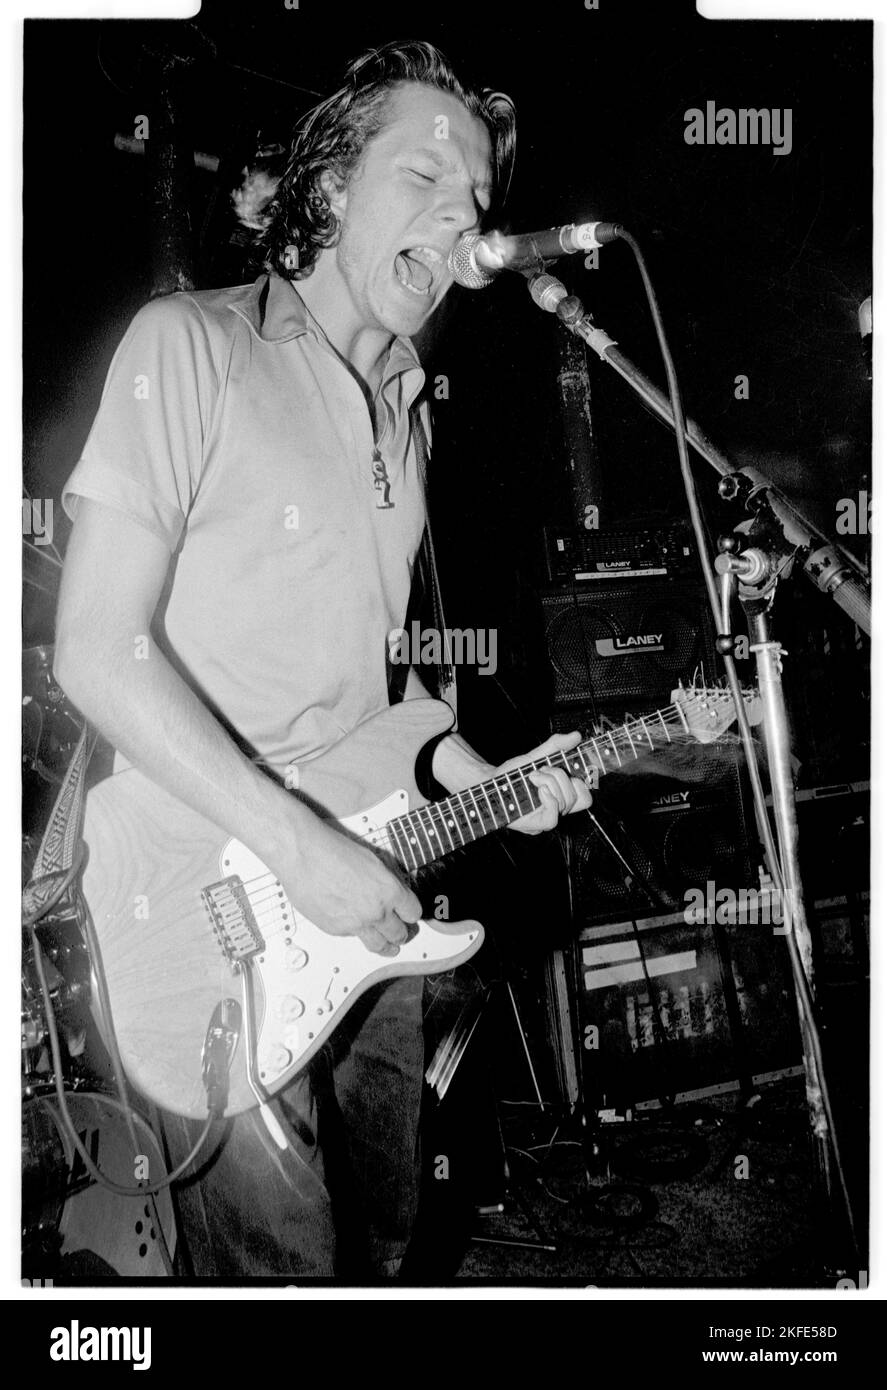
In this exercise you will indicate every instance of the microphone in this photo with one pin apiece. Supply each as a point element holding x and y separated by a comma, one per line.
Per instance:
<point>475,259</point>
<point>547,292</point>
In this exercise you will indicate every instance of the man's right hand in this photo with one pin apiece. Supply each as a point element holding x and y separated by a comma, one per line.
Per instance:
<point>345,889</point>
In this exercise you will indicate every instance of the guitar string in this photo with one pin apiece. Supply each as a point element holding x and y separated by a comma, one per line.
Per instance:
<point>564,756</point>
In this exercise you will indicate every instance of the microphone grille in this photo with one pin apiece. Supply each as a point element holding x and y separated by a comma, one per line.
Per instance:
<point>463,266</point>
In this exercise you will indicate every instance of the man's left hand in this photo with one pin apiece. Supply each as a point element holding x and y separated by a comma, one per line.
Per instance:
<point>559,793</point>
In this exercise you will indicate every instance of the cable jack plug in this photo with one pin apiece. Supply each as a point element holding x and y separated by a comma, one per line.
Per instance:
<point>219,1046</point>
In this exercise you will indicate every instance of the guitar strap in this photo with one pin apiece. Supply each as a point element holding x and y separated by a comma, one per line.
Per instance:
<point>60,846</point>
<point>426,587</point>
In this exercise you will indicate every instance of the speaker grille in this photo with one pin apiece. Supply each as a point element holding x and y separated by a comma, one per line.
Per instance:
<point>628,641</point>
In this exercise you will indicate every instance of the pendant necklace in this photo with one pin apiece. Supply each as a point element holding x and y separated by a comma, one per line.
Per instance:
<point>381,482</point>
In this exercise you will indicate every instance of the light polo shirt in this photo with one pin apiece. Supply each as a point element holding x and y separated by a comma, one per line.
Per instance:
<point>232,431</point>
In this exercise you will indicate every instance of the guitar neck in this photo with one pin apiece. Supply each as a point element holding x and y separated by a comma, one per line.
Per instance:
<point>429,832</point>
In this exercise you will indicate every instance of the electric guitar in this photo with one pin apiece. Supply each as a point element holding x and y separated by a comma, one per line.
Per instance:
<point>219,989</point>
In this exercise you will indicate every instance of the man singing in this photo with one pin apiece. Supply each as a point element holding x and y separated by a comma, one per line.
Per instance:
<point>248,509</point>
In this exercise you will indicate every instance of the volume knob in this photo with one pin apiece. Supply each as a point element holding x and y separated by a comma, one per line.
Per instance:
<point>276,1060</point>
<point>295,958</point>
<point>290,1008</point>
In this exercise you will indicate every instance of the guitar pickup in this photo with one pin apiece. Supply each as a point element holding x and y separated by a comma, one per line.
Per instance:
<point>233,920</point>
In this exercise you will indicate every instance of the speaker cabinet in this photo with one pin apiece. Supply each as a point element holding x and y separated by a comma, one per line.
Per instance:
<point>679,827</point>
<point>627,641</point>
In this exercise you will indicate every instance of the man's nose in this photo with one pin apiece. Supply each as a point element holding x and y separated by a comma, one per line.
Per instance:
<point>457,208</point>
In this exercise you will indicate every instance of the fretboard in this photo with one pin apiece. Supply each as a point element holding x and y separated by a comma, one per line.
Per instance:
<point>429,832</point>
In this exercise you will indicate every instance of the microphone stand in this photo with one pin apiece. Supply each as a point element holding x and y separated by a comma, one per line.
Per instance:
<point>758,575</point>
<point>835,571</point>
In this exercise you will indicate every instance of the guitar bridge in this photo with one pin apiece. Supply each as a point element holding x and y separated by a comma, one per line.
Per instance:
<point>233,920</point>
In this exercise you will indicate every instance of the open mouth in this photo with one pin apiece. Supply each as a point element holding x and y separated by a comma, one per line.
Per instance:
<point>415,268</point>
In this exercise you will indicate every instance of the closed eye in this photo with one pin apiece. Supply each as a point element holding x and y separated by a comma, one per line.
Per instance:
<point>428,178</point>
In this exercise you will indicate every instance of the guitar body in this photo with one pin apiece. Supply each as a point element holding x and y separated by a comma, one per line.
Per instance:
<point>187,920</point>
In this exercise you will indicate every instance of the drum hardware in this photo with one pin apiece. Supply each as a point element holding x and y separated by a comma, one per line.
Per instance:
<point>64,949</point>
<point>67,972</point>
<point>44,1178</point>
<point>69,1221</point>
<point>50,723</point>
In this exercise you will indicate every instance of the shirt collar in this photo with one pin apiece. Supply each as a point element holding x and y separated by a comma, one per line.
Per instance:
<point>277,313</point>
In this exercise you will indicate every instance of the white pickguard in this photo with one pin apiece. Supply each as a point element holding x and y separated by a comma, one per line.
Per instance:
<point>308,979</point>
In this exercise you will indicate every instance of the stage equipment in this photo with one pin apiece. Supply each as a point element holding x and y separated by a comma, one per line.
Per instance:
<point>755,559</point>
<point>833,568</point>
<point>476,260</point>
<point>50,723</point>
<point>681,1005</point>
<point>439,1076</point>
<point>678,834</point>
<point>72,1225</point>
<point>653,548</point>
<point>623,643</point>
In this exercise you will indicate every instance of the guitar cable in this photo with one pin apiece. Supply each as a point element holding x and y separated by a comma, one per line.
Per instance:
<point>121,1189</point>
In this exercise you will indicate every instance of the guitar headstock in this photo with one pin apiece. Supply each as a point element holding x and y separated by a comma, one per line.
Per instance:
<point>709,710</point>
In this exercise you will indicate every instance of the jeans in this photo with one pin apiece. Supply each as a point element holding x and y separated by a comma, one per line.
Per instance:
<point>341,1200</point>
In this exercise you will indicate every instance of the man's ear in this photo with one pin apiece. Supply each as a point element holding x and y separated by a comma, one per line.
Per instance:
<point>335,193</point>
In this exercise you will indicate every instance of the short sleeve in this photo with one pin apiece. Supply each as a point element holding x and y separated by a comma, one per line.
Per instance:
<point>145,451</point>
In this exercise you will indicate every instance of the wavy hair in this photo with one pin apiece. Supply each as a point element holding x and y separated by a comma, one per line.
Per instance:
<point>297,222</point>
